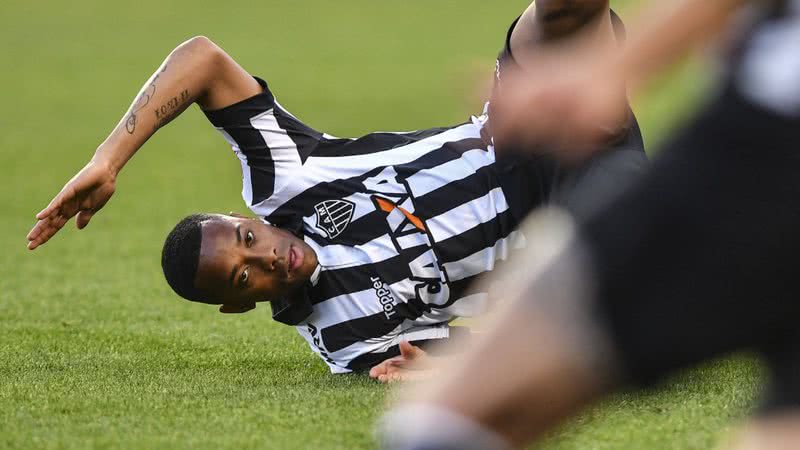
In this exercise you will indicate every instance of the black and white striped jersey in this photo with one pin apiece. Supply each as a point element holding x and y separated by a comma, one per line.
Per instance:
<point>402,223</point>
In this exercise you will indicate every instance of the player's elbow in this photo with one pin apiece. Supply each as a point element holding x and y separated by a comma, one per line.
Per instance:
<point>203,50</point>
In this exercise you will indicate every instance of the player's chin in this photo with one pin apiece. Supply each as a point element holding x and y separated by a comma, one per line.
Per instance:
<point>309,261</point>
<point>297,278</point>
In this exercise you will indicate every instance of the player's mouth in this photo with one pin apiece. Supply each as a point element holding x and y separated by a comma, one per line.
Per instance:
<point>295,258</point>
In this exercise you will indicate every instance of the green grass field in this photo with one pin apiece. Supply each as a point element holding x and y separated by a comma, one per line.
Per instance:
<point>95,350</point>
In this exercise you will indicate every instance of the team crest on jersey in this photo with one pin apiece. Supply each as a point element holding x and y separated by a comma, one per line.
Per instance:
<point>333,216</point>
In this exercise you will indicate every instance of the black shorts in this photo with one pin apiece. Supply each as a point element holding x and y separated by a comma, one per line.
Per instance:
<point>700,256</point>
<point>530,181</point>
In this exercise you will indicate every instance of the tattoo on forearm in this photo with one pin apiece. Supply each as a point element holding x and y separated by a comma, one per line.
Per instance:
<point>172,108</point>
<point>141,102</point>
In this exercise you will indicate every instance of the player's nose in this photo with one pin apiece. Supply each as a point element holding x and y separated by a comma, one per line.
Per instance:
<point>266,259</point>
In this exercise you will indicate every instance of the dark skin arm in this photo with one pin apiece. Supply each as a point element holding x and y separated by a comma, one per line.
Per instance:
<point>571,101</point>
<point>197,71</point>
<point>546,31</point>
<point>546,22</point>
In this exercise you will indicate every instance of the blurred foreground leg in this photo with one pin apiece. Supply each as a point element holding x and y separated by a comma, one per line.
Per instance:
<point>542,358</point>
<point>774,432</point>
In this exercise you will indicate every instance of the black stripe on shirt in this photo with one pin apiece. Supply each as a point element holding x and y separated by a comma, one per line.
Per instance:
<point>305,138</point>
<point>476,238</point>
<point>241,112</point>
<point>368,360</point>
<point>473,187</point>
<point>358,233</point>
<point>347,280</point>
<point>347,333</point>
<point>235,120</point>
<point>460,289</point>
<point>373,142</point>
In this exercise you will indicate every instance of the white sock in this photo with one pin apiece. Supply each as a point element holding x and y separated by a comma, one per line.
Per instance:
<point>429,427</point>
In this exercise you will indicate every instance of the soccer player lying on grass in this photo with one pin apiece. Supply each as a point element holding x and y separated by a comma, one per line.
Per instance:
<point>364,243</point>
<point>709,269</point>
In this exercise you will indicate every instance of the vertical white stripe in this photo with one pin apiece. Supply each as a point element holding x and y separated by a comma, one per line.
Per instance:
<point>319,169</point>
<point>355,305</point>
<point>484,260</point>
<point>405,332</point>
<point>469,306</point>
<point>467,215</point>
<point>399,155</point>
<point>345,307</point>
<point>428,180</point>
<point>281,147</point>
<point>337,256</point>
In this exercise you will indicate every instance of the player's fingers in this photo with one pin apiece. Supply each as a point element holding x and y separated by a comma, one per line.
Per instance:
<point>83,218</point>
<point>53,206</point>
<point>405,364</point>
<point>407,350</point>
<point>396,377</point>
<point>36,230</point>
<point>378,370</point>
<point>44,234</point>
<point>33,243</point>
<point>40,230</point>
<point>47,210</point>
<point>55,224</point>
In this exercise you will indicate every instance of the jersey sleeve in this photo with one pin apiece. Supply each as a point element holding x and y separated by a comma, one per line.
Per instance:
<point>270,143</point>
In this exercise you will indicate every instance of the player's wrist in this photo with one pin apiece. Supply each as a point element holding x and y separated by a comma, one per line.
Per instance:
<point>106,164</point>
<point>104,159</point>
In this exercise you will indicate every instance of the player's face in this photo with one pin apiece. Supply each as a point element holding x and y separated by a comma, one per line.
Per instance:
<point>243,261</point>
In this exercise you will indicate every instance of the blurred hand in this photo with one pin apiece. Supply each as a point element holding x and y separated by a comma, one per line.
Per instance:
<point>412,364</point>
<point>84,195</point>
<point>569,108</point>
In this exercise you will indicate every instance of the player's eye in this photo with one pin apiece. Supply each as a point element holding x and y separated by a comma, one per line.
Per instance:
<point>243,277</point>
<point>249,237</point>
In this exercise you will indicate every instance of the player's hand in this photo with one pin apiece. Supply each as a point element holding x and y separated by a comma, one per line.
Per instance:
<point>568,108</point>
<point>87,192</point>
<point>413,364</point>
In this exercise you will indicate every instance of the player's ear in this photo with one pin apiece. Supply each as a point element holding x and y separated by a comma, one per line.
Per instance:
<point>238,216</point>
<point>236,309</point>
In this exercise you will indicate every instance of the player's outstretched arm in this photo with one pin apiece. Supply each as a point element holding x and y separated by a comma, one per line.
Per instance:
<point>197,71</point>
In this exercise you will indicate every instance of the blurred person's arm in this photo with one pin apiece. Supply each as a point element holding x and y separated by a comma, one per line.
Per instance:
<point>546,21</point>
<point>534,368</point>
<point>544,35</point>
<point>197,71</point>
<point>576,98</point>
<point>543,356</point>
<point>670,30</point>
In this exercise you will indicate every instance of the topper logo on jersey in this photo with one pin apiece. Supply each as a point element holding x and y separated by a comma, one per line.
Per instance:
<point>333,216</point>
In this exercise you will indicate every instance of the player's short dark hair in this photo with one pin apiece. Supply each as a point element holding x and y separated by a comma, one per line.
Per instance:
<point>181,256</point>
